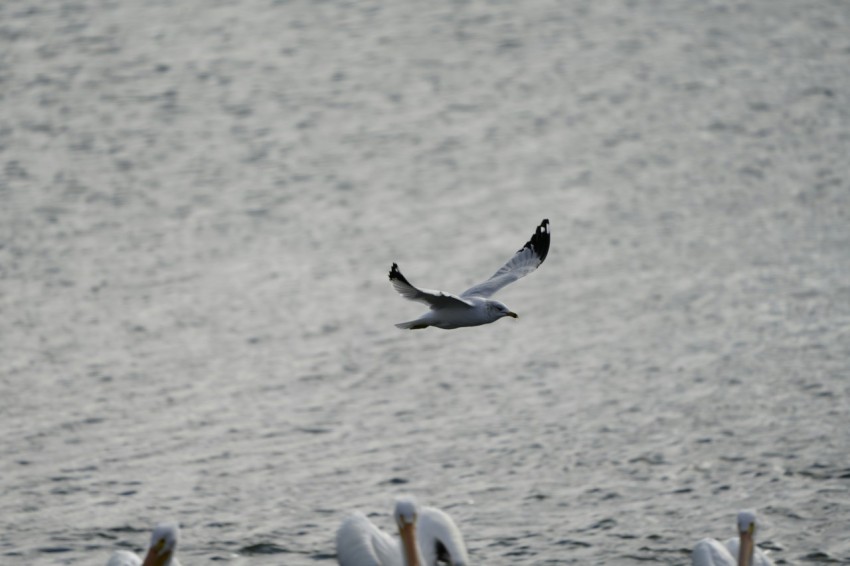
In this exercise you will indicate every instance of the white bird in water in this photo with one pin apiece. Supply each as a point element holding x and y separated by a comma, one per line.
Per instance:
<point>474,306</point>
<point>161,551</point>
<point>741,551</point>
<point>428,536</point>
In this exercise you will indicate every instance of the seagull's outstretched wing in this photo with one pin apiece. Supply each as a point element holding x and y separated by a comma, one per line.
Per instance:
<point>435,299</point>
<point>526,260</point>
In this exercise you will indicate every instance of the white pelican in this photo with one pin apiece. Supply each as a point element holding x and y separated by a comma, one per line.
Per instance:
<point>427,536</point>
<point>740,551</point>
<point>160,553</point>
<point>474,306</point>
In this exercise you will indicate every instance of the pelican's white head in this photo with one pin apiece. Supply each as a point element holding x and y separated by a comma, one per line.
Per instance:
<point>163,544</point>
<point>746,531</point>
<point>500,310</point>
<point>747,521</point>
<point>406,510</point>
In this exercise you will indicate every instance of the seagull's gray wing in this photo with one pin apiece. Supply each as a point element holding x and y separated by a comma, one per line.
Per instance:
<point>434,299</point>
<point>526,260</point>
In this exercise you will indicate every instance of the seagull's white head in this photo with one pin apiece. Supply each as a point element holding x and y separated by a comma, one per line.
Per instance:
<point>500,310</point>
<point>746,531</point>
<point>163,544</point>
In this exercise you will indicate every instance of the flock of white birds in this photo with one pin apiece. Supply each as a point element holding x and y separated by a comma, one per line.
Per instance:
<point>429,536</point>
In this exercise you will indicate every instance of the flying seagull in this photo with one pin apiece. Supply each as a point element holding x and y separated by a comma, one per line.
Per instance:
<point>474,306</point>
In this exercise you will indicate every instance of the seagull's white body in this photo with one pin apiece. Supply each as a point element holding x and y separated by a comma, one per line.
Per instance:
<point>160,553</point>
<point>361,543</point>
<point>475,312</point>
<point>711,552</point>
<point>474,306</point>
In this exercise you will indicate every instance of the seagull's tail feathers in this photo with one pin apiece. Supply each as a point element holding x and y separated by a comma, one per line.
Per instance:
<point>412,325</point>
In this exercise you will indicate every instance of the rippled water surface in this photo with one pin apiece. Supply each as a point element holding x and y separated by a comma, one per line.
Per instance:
<point>201,201</point>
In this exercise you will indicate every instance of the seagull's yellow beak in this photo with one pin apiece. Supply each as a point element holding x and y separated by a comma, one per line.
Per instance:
<point>512,314</point>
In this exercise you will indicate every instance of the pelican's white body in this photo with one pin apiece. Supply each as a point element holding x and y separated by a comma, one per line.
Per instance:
<point>711,552</point>
<point>124,558</point>
<point>166,535</point>
<point>361,543</point>
<point>127,558</point>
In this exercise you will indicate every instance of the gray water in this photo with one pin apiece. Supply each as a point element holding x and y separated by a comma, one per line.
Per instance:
<point>201,201</point>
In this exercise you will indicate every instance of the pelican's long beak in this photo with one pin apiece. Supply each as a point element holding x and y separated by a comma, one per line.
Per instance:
<point>512,314</point>
<point>745,548</point>
<point>156,556</point>
<point>408,542</point>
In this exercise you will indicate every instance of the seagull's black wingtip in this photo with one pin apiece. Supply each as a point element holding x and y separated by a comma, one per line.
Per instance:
<point>395,274</point>
<point>539,242</point>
